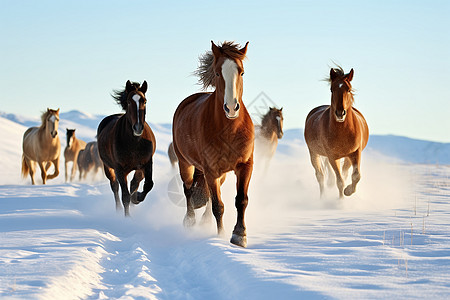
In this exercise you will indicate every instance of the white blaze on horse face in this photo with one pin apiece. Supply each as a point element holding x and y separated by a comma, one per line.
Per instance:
<point>230,73</point>
<point>136,99</point>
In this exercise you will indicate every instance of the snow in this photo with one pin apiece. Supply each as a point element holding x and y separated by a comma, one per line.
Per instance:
<point>66,241</point>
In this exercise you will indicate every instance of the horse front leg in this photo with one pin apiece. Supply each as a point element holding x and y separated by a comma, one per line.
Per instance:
<point>122,178</point>
<point>56,165</point>
<point>216,201</point>
<point>134,185</point>
<point>355,159</point>
<point>148,184</point>
<point>43,172</point>
<point>111,175</point>
<point>243,175</point>
<point>316,163</point>
<point>335,164</point>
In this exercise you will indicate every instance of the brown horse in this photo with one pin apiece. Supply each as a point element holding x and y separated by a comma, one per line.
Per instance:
<point>267,135</point>
<point>71,151</point>
<point>126,143</point>
<point>213,134</point>
<point>89,160</point>
<point>42,145</point>
<point>337,131</point>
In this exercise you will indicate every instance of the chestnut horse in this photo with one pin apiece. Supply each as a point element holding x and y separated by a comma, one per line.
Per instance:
<point>89,160</point>
<point>337,131</point>
<point>268,134</point>
<point>126,143</point>
<point>42,145</point>
<point>71,151</point>
<point>213,134</point>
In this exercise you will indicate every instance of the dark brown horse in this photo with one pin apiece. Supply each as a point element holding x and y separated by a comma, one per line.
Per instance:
<point>125,144</point>
<point>73,147</point>
<point>213,134</point>
<point>337,131</point>
<point>42,145</point>
<point>89,160</point>
<point>268,134</point>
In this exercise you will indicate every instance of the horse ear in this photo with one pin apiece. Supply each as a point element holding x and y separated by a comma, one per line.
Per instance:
<point>244,50</point>
<point>216,50</point>
<point>281,109</point>
<point>128,86</point>
<point>57,112</point>
<point>144,87</point>
<point>333,74</point>
<point>349,76</point>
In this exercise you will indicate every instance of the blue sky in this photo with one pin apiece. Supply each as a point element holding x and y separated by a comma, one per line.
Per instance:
<point>72,54</point>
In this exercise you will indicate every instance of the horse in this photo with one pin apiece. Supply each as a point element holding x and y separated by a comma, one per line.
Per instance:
<point>89,160</point>
<point>213,134</point>
<point>71,151</point>
<point>337,131</point>
<point>126,143</point>
<point>268,134</point>
<point>42,145</point>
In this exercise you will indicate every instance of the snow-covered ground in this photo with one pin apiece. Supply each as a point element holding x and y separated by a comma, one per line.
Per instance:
<point>65,240</point>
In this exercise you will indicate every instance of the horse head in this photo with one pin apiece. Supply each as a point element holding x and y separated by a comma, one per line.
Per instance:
<point>341,93</point>
<point>277,116</point>
<point>70,134</point>
<point>136,103</point>
<point>52,121</point>
<point>228,69</point>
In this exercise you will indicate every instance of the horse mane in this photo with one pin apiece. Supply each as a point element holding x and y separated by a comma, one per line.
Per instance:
<point>45,115</point>
<point>205,70</point>
<point>120,96</point>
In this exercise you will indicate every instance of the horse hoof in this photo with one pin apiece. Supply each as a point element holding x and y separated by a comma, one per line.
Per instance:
<point>239,240</point>
<point>349,191</point>
<point>189,221</point>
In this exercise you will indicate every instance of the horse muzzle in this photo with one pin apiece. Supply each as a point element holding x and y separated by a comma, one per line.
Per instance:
<point>280,134</point>
<point>340,115</point>
<point>231,113</point>
<point>54,133</point>
<point>138,129</point>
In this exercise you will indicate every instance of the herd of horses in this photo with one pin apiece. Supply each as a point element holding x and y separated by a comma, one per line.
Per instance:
<point>213,134</point>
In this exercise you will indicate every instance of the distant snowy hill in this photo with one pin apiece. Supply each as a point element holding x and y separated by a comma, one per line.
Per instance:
<point>399,148</point>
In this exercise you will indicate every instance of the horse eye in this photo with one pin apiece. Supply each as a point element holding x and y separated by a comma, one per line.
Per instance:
<point>242,74</point>
<point>217,74</point>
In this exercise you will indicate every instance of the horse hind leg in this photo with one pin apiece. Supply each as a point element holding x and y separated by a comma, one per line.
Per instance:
<point>356,175</point>
<point>28,167</point>
<point>187,176</point>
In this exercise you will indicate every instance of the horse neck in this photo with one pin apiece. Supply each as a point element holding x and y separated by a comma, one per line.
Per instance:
<point>44,133</point>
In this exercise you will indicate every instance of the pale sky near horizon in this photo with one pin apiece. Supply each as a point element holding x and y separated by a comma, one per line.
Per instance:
<point>72,54</point>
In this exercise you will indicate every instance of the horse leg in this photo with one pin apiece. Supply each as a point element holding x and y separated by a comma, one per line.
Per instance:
<point>134,185</point>
<point>111,175</point>
<point>148,184</point>
<point>56,165</point>
<point>355,159</point>
<point>32,168</point>
<point>335,164</point>
<point>43,172</point>
<point>346,167</point>
<point>66,165</point>
<point>328,172</point>
<point>243,175</point>
<point>122,178</point>
<point>315,161</point>
<point>187,176</point>
<point>74,168</point>
<point>217,204</point>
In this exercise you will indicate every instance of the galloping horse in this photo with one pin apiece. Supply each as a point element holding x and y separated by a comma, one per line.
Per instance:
<point>267,135</point>
<point>42,145</point>
<point>213,134</point>
<point>71,151</point>
<point>337,131</point>
<point>126,143</point>
<point>89,160</point>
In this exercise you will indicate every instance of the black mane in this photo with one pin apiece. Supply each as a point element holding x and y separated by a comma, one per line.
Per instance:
<point>120,96</point>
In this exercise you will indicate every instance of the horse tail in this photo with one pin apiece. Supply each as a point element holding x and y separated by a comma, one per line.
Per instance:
<point>25,167</point>
<point>172,156</point>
